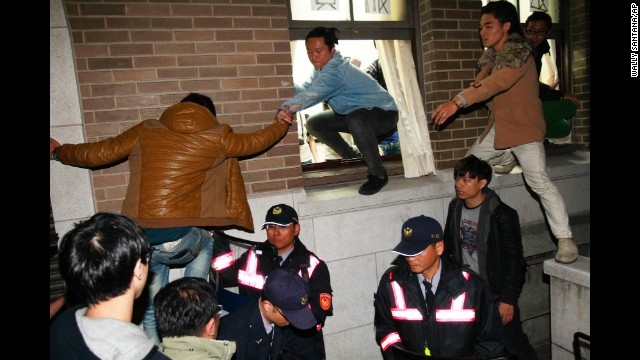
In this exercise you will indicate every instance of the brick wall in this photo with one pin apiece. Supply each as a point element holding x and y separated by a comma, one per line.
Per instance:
<point>451,49</point>
<point>579,28</point>
<point>134,59</point>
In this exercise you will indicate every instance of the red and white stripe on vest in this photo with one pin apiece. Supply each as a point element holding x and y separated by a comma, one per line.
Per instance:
<point>223,261</point>
<point>454,314</point>
<point>250,277</point>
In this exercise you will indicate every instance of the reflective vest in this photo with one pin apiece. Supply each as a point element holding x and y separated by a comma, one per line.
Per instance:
<point>456,313</point>
<point>250,277</point>
<point>223,261</point>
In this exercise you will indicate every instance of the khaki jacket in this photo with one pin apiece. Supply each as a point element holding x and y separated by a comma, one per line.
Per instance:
<point>197,348</point>
<point>509,80</point>
<point>184,169</point>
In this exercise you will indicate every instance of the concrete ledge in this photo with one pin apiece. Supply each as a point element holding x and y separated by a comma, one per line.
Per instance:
<point>354,233</point>
<point>578,272</point>
<point>570,294</point>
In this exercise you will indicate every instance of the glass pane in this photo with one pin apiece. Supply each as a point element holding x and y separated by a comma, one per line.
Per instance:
<point>526,7</point>
<point>549,6</point>
<point>332,10</point>
<point>549,70</point>
<point>379,10</point>
<point>514,2</point>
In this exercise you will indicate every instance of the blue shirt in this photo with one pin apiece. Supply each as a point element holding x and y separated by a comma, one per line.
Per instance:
<point>346,87</point>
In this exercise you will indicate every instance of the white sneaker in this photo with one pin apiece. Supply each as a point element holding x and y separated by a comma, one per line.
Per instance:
<point>504,169</point>
<point>567,251</point>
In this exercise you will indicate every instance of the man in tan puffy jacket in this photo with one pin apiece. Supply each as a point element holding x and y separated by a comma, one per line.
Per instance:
<point>184,174</point>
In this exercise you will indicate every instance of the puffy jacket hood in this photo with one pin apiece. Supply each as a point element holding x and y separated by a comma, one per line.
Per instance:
<point>188,118</point>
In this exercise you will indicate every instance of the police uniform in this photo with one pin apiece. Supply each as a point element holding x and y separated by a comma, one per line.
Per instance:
<point>260,338</point>
<point>246,328</point>
<point>250,270</point>
<point>465,321</point>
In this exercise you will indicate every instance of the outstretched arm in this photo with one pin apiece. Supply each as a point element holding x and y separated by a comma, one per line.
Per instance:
<point>445,111</point>
<point>53,144</point>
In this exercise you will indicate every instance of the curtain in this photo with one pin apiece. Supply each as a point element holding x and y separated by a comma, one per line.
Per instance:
<point>399,71</point>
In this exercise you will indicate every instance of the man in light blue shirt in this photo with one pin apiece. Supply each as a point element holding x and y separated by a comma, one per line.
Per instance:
<point>359,106</point>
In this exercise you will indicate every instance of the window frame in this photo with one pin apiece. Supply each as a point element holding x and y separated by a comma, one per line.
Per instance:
<point>364,30</point>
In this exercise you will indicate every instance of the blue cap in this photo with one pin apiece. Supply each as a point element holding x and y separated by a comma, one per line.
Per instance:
<point>281,214</point>
<point>418,233</point>
<point>288,291</point>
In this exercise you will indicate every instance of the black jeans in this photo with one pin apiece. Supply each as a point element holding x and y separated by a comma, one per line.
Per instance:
<point>366,126</point>
<point>516,341</point>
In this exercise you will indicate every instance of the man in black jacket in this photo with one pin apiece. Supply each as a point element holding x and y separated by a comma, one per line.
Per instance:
<point>430,306</point>
<point>557,106</point>
<point>483,232</point>
<point>283,249</point>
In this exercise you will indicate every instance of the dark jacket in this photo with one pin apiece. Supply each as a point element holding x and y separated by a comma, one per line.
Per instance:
<point>480,334</point>
<point>546,92</point>
<point>183,167</point>
<point>246,328</point>
<point>500,256</point>
<point>309,344</point>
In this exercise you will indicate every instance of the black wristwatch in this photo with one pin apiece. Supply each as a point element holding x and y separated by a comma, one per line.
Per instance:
<point>54,156</point>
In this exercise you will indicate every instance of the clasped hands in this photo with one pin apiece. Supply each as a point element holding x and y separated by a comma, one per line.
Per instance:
<point>285,116</point>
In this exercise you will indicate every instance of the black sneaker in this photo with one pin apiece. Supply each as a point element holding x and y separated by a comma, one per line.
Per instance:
<point>373,185</point>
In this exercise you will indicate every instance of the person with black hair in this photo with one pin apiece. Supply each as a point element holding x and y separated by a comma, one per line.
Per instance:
<point>507,81</point>
<point>104,262</point>
<point>483,232</point>
<point>557,106</point>
<point>188,317</point>
<point>359,106</point>
<point>184,175</point>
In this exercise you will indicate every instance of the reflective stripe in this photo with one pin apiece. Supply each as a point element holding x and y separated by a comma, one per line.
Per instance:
<point>389,340</point>
<point>406,314</point>
<point>248,276</point>
<point>400,312</point>
<point>223,261</point>
<point>456,313</point>
<point>398,295</point>
<point>314,262</point>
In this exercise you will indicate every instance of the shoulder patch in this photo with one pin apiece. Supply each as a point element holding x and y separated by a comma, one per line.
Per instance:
<point>325,301</point>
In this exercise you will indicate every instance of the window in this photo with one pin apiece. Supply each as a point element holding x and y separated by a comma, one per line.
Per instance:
<point>360,23</point>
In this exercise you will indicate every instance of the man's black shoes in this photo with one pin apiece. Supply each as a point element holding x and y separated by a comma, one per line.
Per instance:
<point>373,185</point>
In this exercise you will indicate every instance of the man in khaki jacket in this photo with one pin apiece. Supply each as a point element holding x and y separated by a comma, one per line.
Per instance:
<point>184,174</point>
<point>507,80</point>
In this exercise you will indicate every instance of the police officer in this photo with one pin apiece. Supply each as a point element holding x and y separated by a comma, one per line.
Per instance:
<point>457,319</point>
<point>283,249</point>
<point>257,327</point>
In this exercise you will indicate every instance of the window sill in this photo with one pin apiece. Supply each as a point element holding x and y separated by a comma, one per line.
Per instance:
<point>344,171</point>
